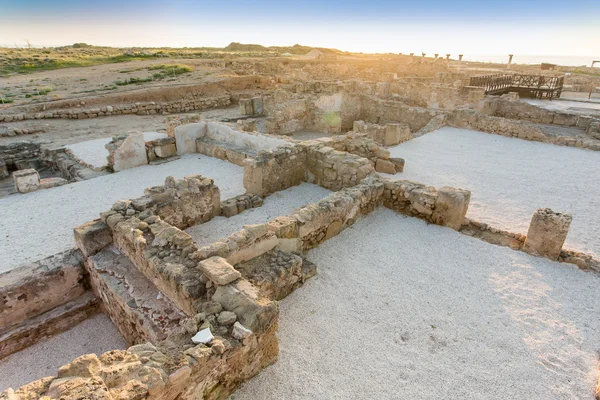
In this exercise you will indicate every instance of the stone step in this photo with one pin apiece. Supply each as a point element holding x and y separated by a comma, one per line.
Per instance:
<point>139,310</point>
<point>276,273</point>
<point>47,324</point>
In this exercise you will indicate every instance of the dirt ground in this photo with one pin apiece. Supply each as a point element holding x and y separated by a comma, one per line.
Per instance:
<point>71,83</point>
<point>61,132</point>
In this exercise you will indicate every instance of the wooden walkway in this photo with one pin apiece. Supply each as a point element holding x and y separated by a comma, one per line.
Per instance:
<point>535,86</point>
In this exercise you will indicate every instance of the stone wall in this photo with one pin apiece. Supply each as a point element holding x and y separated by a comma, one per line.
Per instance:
<point>224,136</point>
<point>472,119</point>
<point>41,299</point>
<point>362,145</point>
<point>35,288</point>
<point>377,111</point>
<point>275,170</point>
<point>445,206</point>
<point>323,220</point>
<point>21,155</point>
<point>384,135</point>
<point>146,231</point>
<point>333,169</point>
<point>518,110</point>
<point>139,108</point>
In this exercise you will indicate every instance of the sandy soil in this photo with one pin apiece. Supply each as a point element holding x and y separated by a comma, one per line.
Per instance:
<point>39,224</point>
<point>401,309</point>
<point>510,178</point>
<point>94,81</point>
<point>275,205</point>
<point>94,335</point>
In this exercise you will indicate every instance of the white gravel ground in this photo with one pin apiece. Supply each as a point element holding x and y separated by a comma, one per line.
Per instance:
<point>39,224</point>
<point>400,309</point>
<point>510,178</point>
<point>94,153</point>
<point>275,205</point>
<point>94,335</point>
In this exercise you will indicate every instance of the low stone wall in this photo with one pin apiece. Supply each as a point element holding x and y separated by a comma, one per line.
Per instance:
<point>323,220</point>
<point>446,206</point>
<point>514,109</point>
<point>472,119</point>
<point>377,111</point>
<point>362,145</point>
<point>35,288</point>
<point>275,170</point>
<point>500,126</point>
<point>384,135</point>
<point>42,299</point>
<point>139,108</point>
<point>241,203</point>
<point>334,169</point>
<point>21,155</point>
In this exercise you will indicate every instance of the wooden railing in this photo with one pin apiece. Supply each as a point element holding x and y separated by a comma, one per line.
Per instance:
<point>537,86</point>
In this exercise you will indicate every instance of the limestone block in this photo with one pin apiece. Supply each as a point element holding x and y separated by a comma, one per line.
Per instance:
<point>565,119</point>
<point>242,298</point>
<point>385,166</point>
<point>26,180</point>
<point>92,237</point>
<point>398,164</point>
<point>48,183</point>
<point>547,233</point>
<point>451,207</point>
<point>186,135</point>
<point>247,125</point>
<point>166,151</point>
<point>131,153</point>
<point>246,107</point>
<point>396,133</point>
<point>219,271</point>
<point>257,105</point>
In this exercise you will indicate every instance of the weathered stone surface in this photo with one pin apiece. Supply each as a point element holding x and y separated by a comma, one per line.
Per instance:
<point>47,183</point>
<point>26,180</point>
<point>385,166</point>
<point>219,271</point>
<point>547,233</point>
<point>92,237</point>
<point>33,289</point>
<point>451,206</point>
<point>242,298</point>
<point>127,151</point>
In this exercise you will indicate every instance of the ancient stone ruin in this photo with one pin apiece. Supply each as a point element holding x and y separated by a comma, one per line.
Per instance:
<point>200,312</point>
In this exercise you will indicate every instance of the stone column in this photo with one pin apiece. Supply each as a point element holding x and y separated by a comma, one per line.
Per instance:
<point>547,233</point>
<point>510,57</point>
<point>460,56</point>
<point>447,57</point>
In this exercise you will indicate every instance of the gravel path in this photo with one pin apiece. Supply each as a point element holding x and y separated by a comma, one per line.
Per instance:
<point>94,153</point>
<point>510,178</point>
<point>94,335</point>
<point>401,309</point>
<point>275,205</point>
<point>39,224</point>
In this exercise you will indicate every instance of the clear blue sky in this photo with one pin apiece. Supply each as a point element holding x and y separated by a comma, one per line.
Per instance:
<point>569,27</point>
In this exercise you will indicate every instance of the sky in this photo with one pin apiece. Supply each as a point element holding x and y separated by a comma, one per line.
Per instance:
<point>534,27</point>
